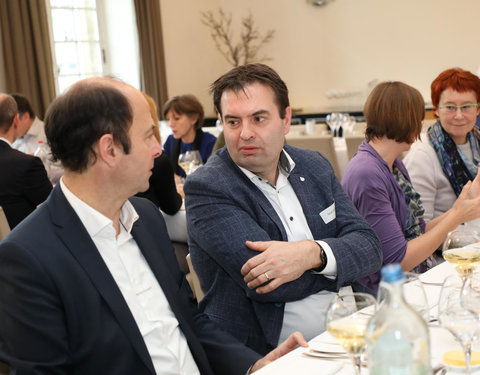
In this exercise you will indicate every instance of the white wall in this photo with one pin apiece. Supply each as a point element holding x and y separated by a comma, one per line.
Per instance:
<point>340,47</point>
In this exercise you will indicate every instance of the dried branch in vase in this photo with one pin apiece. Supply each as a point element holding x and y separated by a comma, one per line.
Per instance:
<point>251,40</point>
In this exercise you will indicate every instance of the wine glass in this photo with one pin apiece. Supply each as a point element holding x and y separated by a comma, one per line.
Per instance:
<point>333,120</point>
<point>346,319</point>
<point>462,323</point>
<point>461,248</point>
<point>190,161</point>
<point>470,297</point>
<point>414,294</point>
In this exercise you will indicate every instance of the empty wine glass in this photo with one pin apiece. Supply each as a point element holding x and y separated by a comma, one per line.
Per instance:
<point>462,249</point>
<point>190,161</point>
<point>346,319</point>
<point>471,293</point>
<point>414,294</point>
<point>462,323</point>
<point>333,120</point>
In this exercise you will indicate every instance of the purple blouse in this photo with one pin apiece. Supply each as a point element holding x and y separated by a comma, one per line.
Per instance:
<point>380,200</point>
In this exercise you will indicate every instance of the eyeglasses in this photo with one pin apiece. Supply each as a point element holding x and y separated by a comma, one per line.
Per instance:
<point>464,108</point>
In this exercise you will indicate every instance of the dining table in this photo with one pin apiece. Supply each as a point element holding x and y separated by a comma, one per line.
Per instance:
<point>310,361</point>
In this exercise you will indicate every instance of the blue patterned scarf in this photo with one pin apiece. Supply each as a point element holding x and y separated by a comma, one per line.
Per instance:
<point>415,213</point>
<point>458,168</point>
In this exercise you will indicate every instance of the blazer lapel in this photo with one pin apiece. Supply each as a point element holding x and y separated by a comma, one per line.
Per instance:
<point>258,196</point>
<point>80,244</point>
<point>303,186</point>
<point>151,249</point>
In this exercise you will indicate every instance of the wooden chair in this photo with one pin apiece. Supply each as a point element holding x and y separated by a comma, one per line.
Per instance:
<point>193,280</point>
<point>353,141</point>
<point>4,369</point>
<point>359,128</point>
<point>317,142</point>
<point>4,227</point>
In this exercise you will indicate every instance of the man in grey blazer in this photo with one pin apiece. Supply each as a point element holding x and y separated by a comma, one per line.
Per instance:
<point>272,235</point>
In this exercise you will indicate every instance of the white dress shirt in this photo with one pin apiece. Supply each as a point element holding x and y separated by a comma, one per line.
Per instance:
<point>156,322</point>
<point>28,143</point>
<point>306,315</point>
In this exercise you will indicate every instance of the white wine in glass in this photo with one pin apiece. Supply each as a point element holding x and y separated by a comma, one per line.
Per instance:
<point>190,161</point>
<point>347,318</point>
<point>462,249</point>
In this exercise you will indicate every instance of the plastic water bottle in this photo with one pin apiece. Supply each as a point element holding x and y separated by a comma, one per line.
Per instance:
<point>43,152</point>
<point>397,338</point>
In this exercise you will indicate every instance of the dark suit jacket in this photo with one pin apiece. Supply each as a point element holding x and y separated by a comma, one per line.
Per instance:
<point>224,209</point>
<point>24,183</point>
<point>62,312</point>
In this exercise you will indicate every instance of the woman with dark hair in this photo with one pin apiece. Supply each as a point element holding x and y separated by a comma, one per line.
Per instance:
<point>449,154</point>
<point>185,117</point>
<point>162,190</point>
<point>379,185</point>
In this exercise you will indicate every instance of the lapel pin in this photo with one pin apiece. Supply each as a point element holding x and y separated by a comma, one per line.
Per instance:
<point>302,179</point>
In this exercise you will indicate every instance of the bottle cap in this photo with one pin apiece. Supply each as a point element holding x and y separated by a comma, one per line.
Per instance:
<point>392,272</point>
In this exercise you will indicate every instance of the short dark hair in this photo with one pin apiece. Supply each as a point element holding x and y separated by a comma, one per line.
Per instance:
<point>186,105</point>
<point>238,78</point>
<point>395,110</point>
<point>8,111</point>
<point>23,104</point>
<point>457,79</point>
<point>77,119</point>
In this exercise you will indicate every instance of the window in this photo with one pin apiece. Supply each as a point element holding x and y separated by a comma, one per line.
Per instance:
<point>86,43</point>
<point>76,41</point>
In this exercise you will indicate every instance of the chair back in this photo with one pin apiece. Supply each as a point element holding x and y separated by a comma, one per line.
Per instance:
<point>4,227</point>
<point>317,142</point>
<point>353,141</point>
<point>193,280</point>
<point>4,369</point>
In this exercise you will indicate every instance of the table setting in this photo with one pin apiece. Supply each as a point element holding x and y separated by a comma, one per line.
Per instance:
<point>325,355</point>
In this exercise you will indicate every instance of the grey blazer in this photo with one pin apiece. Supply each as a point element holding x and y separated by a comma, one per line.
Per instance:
<point>224,209</point>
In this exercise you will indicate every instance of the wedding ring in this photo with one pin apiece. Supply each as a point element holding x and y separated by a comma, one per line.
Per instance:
<point>266,275</point>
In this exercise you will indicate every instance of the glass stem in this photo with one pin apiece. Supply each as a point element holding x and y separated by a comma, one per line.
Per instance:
<point>467,349</point>
<point>357,363</point>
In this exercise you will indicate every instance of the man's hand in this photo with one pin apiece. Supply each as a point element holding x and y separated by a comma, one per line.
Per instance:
<point>279,263</point>
<point>285,347</point>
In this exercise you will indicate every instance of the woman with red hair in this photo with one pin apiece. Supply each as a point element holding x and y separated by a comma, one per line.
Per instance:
<point>448,156</point>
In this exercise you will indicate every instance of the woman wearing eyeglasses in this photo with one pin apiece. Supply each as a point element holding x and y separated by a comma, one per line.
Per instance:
<point>380,188</point>
<point>448,156</point>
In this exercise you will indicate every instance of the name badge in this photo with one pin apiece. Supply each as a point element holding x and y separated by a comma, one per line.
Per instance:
<point>328,214</point>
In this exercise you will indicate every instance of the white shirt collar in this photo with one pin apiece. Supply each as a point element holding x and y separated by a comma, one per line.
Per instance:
<point>93,220</point>
<point>285,166</point>
<point>6,141</point>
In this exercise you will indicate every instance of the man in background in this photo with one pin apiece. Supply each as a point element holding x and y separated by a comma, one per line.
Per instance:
<point>90,284</point>
<point>272,235</point>
<point>24,183</point>
<point>30,126</point>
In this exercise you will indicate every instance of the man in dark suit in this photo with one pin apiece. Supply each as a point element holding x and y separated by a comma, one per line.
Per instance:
<point>89,283</point>
<point>272,235</point>
<point>24,182</point>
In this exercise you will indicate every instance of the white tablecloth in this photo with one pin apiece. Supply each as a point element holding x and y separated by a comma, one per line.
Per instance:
<point>441,341</point>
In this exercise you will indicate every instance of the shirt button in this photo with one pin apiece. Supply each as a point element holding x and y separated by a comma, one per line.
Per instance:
<point>291,218</point>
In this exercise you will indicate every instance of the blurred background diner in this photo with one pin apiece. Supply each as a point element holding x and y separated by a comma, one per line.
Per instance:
<point>448,155</point>
<point>184,115</point>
